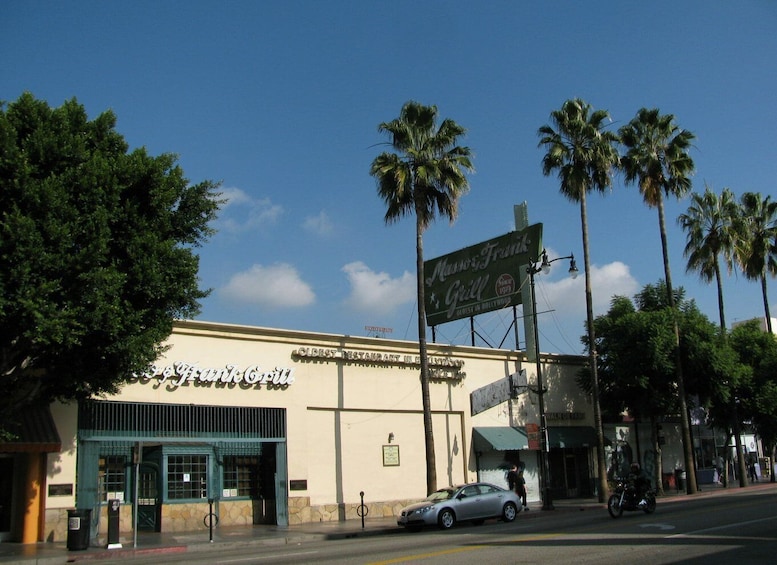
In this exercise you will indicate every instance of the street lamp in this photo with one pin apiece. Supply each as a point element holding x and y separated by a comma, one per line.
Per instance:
<point>533,269</point>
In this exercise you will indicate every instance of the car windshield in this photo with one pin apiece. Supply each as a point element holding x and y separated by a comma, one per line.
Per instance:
<point>442,494</point>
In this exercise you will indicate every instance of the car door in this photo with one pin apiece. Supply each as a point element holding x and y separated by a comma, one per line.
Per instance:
<point>492,499</point>
<point>469,503</point>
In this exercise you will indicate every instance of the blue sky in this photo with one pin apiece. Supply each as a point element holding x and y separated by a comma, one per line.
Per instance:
<point>280,101</point>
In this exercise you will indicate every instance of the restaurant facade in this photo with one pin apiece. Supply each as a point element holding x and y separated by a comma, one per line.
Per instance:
<point>270,426</point>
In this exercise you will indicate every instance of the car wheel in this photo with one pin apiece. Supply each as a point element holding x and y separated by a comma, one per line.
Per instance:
<point>446,519</point>
<point>509,512</point>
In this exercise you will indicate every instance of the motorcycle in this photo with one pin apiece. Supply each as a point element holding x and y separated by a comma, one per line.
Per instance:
<point>624,497</point>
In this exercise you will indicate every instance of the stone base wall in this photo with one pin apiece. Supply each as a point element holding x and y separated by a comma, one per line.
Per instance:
<point>301,512</point>
<point>190,516</point>
<point>55,525</point>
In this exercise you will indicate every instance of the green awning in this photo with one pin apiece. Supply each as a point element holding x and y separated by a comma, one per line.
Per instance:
<point>503,438</point>
<point>33,431</point>
<point>572,436</point>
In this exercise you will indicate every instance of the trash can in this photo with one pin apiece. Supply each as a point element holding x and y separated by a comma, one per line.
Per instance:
<point>78,528</point>
<point>679,479</point>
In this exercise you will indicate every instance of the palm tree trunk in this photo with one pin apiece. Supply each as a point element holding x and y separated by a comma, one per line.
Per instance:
<point>431,463</point>
<point>690,469</point>
<point>589,304</point>
<point>721,312</point>
<point>766,304</point>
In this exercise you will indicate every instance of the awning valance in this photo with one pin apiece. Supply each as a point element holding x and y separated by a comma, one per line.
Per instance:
<point>501,438</point>
<point>572,436</point>
<point>34,431</point>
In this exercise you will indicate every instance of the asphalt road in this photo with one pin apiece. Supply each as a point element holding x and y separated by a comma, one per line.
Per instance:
<point>738,526</point>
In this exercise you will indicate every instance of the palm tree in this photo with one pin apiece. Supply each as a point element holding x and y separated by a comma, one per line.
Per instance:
<point>710,224</point>
<point>584,154</point>
<point>425,176</point>
<point>757,252</point>
<point>657,160</point>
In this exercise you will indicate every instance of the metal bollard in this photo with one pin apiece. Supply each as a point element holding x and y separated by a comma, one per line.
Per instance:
<point>210,521</point>
<point>362,510</point>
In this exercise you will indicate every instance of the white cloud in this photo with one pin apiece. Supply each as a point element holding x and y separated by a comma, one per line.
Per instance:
<point>378,293</point>
<point>241,212</point>
<point>320,224</point>
<point>567,295</point>
<point>276,286</point>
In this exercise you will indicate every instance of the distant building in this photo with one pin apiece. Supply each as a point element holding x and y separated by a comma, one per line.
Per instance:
<point>761,323</point>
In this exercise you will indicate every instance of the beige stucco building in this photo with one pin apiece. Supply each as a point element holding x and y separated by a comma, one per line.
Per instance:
<point>276,426</point>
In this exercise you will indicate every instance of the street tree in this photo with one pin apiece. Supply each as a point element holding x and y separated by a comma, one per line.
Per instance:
<point>97,245</point>
<point>757,248</point>
<point>425,175</point>
<point>583,154</point>
<point>657,160</point>
<point>757,351</point>
<point>712,224</point>
<point>637,356</point>
<point>711,233</point>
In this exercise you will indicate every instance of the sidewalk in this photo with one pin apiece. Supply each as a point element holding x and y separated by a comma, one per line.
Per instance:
<point>149,544</point>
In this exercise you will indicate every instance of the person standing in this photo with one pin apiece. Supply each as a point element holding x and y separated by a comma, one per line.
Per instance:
<point>521,488</point>
<point>512,477</point>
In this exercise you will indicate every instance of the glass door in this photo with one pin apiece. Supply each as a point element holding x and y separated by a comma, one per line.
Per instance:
<point>149,514</point>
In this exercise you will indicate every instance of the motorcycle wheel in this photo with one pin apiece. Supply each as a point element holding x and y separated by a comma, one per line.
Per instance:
<point>651,504</point>
<point>614,506</point>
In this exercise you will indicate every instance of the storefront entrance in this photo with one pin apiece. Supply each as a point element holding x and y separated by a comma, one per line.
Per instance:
<point>570,476</point>
<point>6,495</point>
<point>231,458</point>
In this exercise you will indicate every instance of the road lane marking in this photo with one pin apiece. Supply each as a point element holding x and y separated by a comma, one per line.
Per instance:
<point>724,527</point>
<point>457,550</point>
<point>659,526</point>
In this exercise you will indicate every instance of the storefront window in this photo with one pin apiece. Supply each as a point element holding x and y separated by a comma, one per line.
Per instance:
<point>112,477</point>
<point>187,476</point>
<point>241,476</point>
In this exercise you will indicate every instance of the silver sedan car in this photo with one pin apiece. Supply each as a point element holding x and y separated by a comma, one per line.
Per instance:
<point>474,502</point>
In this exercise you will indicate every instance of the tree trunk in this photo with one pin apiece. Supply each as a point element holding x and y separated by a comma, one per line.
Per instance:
<point>603,489</point>
<point>659,477</point>
<point>690,469</point>
<point>721,312</point>
<point>431,463</point>
<point>742,470</point>
<point>766,304</point>
<point>727,459</point>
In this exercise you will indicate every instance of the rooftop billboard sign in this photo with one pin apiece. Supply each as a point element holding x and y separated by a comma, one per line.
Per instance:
<point>479,278</point>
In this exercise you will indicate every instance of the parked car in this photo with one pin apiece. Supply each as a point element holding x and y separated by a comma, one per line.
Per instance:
<point>474,502</point>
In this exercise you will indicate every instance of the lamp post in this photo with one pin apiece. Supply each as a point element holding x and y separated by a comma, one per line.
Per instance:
<point>533,269</point>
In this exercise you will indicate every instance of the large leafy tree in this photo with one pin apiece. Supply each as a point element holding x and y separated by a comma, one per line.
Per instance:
<point>583,154</point>
<point>96,247</point>
<point>424,175</point>
<point>757,391</point>
<point>657,160</point>
<point>636,359</point>
<point>757,249</point>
